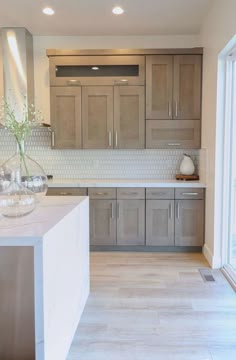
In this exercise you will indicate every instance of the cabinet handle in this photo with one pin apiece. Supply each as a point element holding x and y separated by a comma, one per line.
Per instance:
<point>158,193</point>
<point>53,138</point>
<point>118,210</point>
<point>73,82</point>
<point>101,193</point>
<point>109,138</point>
<point>176,108</point>
<point>129,193</point>
<point>121,82</point>
<point>170,211</point>
<point>190,193</point>
<point>63,193</point>
<point>177,210</point>
<point>169,109</point>
<point>116,139</point>
<point>112,211</point>
<point>174,144</point>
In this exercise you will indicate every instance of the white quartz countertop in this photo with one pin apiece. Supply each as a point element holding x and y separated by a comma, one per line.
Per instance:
<point>29,229</point>
<point>125,183</point>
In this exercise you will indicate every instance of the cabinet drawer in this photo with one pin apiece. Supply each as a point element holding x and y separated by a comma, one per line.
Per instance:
<point>163,193</point>
<point>102,193</point>
<point>173,134</point>
<point>67,191</point>
<point>131,193</point>
<point>189,193</point>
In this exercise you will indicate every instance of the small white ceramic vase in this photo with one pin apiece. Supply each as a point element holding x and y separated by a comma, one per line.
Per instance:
<point>187,166</point>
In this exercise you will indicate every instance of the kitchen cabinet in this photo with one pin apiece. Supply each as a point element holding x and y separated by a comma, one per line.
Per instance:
<point>173,87</point>
<point>113,117</point>
<point>102,222</point>
<point>178,222</point>
<point>169,134</point>
<point>66,117</point>
<point>97,70</point>
<point>129,117</point>
<point>131,216</point>
<point>189,217</point>
<point>159,217</point>
<point>97,115</point>
<point>117,222</point>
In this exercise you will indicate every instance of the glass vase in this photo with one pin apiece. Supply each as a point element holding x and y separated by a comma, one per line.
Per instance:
<point>23,184</point>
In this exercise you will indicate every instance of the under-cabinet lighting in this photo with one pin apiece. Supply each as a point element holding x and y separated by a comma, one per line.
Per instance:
<point>95,68</point>
<point>117,10</point>
<point>48,11</point>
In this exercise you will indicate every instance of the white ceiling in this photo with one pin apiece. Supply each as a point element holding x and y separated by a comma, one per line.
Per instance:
<point>94,17</point>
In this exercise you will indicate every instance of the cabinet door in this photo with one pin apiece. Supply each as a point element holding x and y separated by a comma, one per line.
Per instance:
<point>66,117</point>
<point>159,83</point>
<point>97,112</point>
<point>189,223</point>
<point>102,222</point>
<point>187,86</point>
<point>130,222</point>
<point>169,134</point>
<point>129,118</point>
<point>160,222</point>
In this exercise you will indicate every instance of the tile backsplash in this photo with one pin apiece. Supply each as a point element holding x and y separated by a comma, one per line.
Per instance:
<point>100,164</point>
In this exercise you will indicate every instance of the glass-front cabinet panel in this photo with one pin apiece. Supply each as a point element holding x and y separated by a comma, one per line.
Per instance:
<point>97,70</point>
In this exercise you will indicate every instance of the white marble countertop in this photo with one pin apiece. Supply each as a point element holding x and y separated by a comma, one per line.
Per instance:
<point>125,183</point>
<point>29,229</point>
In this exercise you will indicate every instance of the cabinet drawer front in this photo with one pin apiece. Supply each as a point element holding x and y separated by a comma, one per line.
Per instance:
<point>173,134</point>
<point>189,193</point>
<point>131,193</point>
<point>67,191</point>
<point>102,193</point>
<point>163,193</point>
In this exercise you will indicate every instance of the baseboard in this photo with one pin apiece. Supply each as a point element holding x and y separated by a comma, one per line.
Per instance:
<point>176,249</point>
<point>213,260</point>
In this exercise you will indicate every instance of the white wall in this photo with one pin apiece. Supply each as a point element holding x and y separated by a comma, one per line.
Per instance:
<point>218,28</point>
<point>41,43</point>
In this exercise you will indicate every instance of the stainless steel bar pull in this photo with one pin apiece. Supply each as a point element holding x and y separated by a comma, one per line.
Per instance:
<point>170,211</point>
<point>176,108</point>
<point>53,139</point>
<point>169,109</point>
<point>177,210</point>
<point>190,193</point>
<point>116,139</point>
<point>112,211</point>
<point>174,144</point>
<point>109,138</point>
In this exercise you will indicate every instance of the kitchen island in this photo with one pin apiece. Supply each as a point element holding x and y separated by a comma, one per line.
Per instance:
<point>44,279</point>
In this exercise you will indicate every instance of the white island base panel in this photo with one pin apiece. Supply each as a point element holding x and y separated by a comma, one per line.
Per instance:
<point>44,277</point>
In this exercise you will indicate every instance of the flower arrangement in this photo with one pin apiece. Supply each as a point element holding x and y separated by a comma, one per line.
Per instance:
<point>19,125</point>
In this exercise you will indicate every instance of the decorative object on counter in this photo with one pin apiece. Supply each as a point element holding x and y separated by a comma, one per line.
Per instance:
<point>23,182</point>
<point>187,177</point>
<point>187,166</point>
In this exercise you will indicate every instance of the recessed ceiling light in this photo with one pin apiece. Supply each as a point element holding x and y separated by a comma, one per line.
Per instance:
<point>48,11</point>
<point>117,10</point>
<point>95,68</point>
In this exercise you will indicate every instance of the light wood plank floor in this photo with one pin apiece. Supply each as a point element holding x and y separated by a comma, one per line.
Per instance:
<point>155,306</point>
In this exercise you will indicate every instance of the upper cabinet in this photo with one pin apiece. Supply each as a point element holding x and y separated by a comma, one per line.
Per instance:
<point>173,87</point>
<point>98,98</point>
<point>66,117</point>
<point>97,70</point>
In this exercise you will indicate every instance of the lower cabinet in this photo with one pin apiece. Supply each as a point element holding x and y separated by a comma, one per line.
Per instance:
<point>139,217</point>
<point>117,222</point>
<point>189,223</point>
<point>103,222</point>
<point>130,222</point>
<point>160,222</point>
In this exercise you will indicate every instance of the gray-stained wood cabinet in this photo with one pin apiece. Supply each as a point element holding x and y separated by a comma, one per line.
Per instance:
<point>144,217</point>
<point>160,223</point>
<point>97,117</point>
<point>173,87</point>
<point>66,117</point>
<point>130,222</point>
<point>102,222</point>
<point>129,117</point>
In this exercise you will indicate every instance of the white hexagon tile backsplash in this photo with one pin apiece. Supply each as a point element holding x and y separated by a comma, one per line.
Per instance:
<point>99,164</point>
